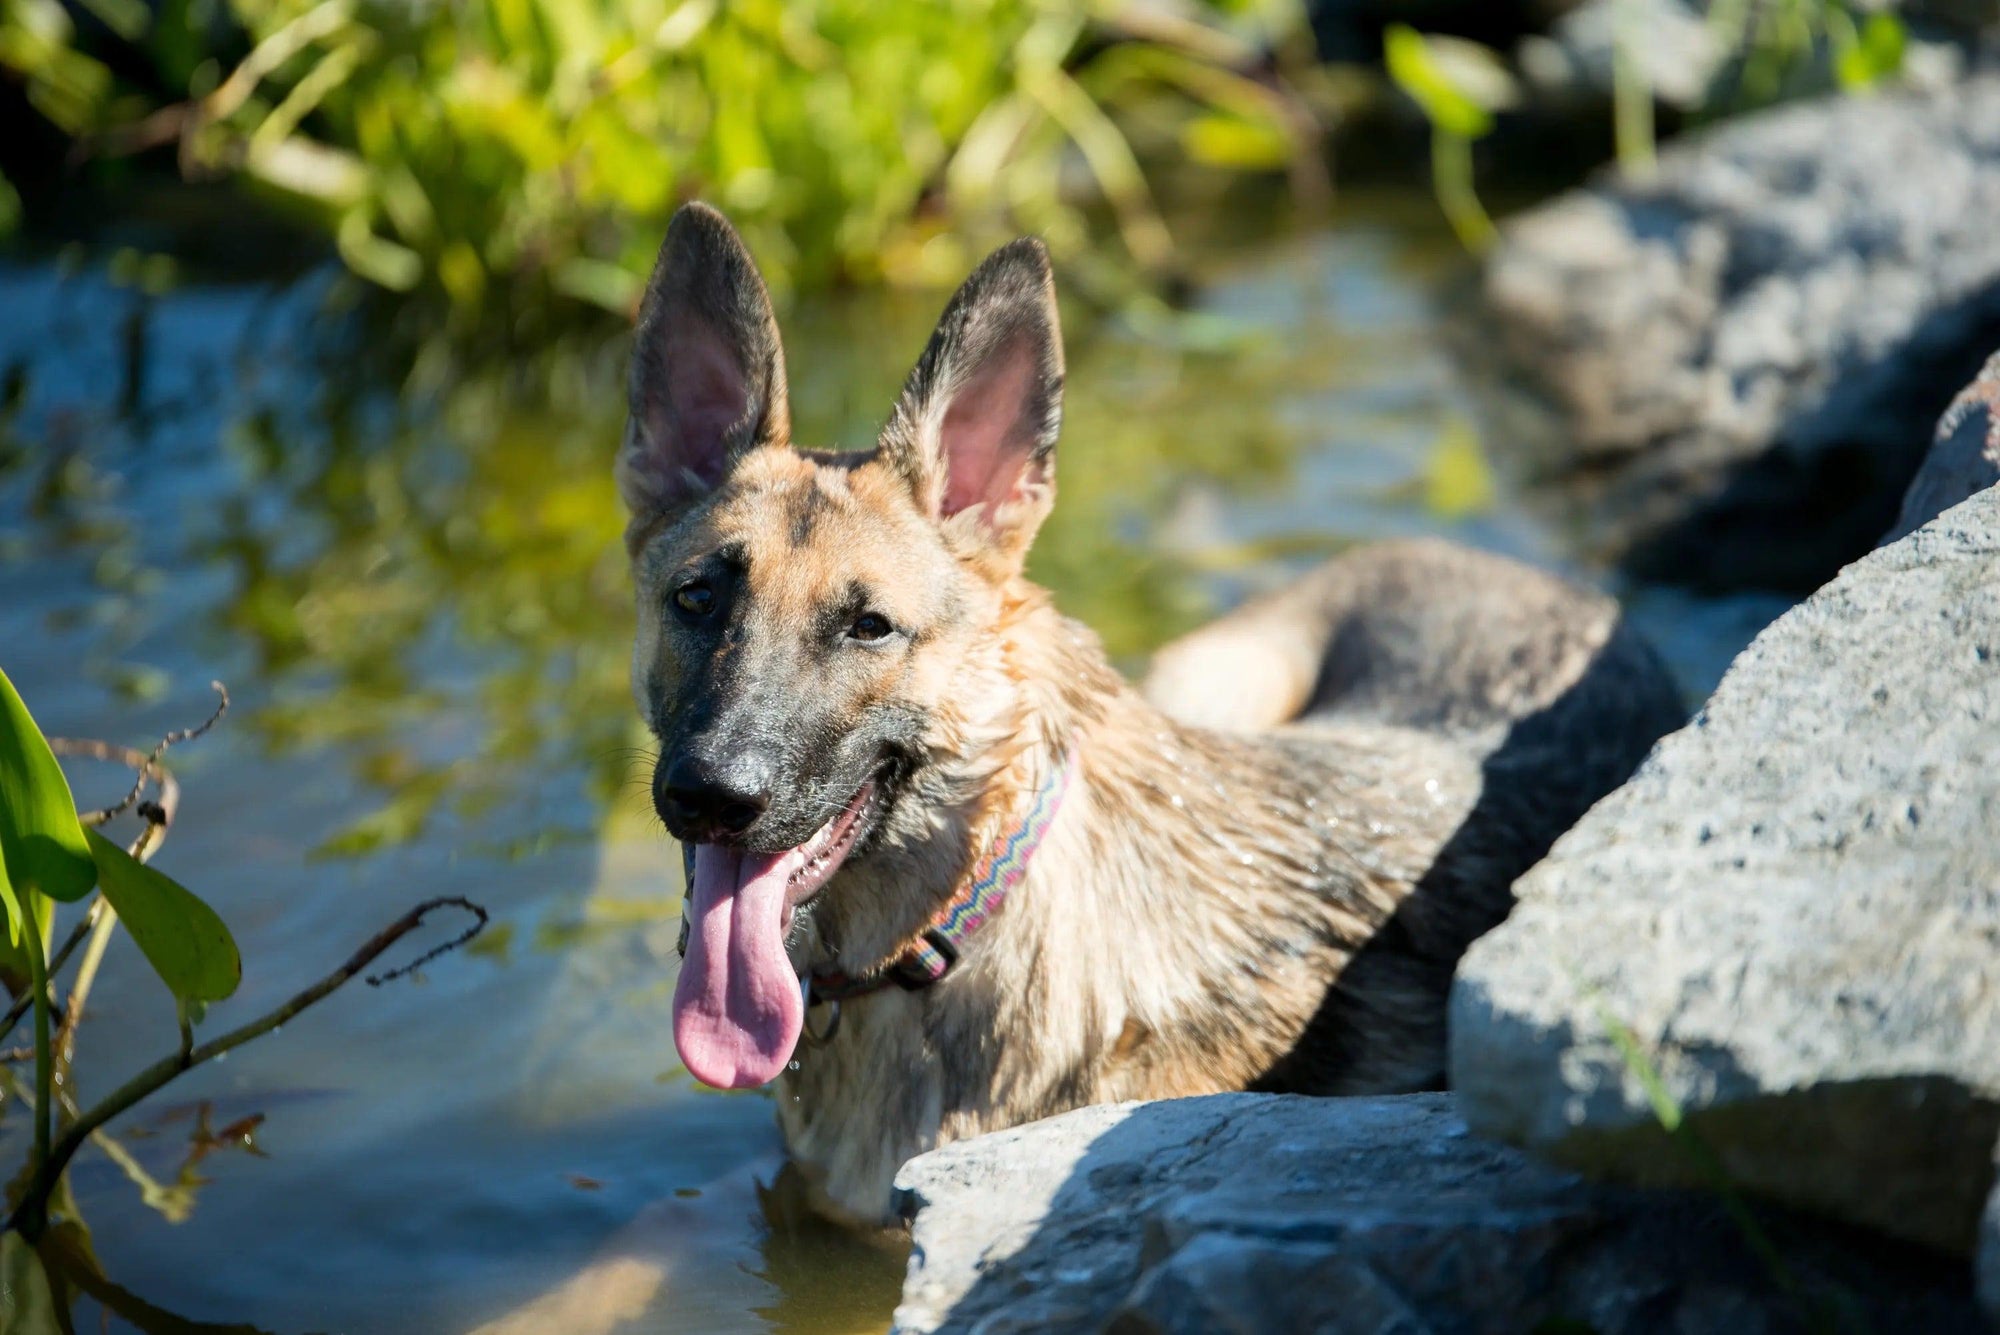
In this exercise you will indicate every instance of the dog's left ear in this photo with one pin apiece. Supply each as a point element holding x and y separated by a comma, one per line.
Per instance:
<point>974,433</point>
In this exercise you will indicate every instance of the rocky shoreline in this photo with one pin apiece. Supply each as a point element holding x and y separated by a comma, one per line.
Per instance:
<point>1734,1061</point>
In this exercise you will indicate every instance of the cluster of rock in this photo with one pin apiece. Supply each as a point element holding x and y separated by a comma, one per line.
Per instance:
<point>1733,1063</point>
<point>1753,340</point>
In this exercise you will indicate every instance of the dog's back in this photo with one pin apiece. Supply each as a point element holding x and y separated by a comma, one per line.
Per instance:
<point>1540,682</point>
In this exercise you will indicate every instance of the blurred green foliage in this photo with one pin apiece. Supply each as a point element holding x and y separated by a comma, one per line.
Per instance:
<point>517,150</point>
<point>1775,49</point>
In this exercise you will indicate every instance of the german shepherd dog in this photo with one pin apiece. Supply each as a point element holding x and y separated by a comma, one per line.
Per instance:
<point>1258,873</point>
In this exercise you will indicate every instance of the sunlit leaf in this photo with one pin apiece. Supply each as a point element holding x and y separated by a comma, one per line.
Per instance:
<point>15,971</point>
<point>40,836</point>
<point>182,938</point>
<point>1236,142</point>
<point>1423,67</point>
<point>27,1301</point>
<point>1872,54</point>
<point>376,258</point>
<point>127,18</point>
<point>1457,481</point>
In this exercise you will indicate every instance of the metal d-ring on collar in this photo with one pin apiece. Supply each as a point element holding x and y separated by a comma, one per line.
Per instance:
<point>822,1037</point>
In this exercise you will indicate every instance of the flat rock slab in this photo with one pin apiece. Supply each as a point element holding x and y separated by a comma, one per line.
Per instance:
<point>1789,918</point>
<point>1756,340</point>
<point>1250,1212</point>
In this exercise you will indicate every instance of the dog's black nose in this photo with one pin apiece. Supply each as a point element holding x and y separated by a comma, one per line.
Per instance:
<point>703,802</point>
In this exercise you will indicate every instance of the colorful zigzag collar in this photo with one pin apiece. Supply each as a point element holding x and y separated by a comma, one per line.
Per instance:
<point>933,952</point>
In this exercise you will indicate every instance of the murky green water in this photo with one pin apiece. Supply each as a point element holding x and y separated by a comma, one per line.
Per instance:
<point>422,613</point>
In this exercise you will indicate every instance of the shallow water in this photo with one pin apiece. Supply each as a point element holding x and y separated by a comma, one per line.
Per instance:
<point>422,616</point>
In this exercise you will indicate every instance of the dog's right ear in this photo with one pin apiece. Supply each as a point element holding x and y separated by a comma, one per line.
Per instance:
<point>708,373</point>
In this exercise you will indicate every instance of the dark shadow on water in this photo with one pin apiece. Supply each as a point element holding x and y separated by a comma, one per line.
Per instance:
<point>1830,485</point>
<point>73,1272</point>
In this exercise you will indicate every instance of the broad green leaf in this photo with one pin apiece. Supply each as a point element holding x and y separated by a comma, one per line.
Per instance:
<point>1420,68</point>
<point>27,1299</point>
<point>41,840</point>
<point>15,971</point>
<point>1873,54</point>
<point>181,937</point>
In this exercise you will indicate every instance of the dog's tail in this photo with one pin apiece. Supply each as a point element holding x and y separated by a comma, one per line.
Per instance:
<point>1418,633</point>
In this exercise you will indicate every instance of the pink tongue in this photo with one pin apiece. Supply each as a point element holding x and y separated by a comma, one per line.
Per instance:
<point>737,1008</point>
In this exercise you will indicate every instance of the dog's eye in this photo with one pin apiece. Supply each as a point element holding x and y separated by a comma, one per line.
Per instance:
<point>695,599</point>
<point>870,626</point>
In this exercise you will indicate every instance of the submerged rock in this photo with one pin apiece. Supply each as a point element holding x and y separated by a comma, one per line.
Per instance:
<point>1729,368</point>
<point>1788,921</point>
<point>1988,1261</point>
<point>1271,1212</point>
<point>1692,58</point>
<point>1964,457</point>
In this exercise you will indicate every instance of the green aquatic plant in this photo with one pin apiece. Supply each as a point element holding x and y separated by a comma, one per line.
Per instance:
<point>515,152</point>
<point>1458,85</point>
<point>53,855</point>
<point>1773,49</point>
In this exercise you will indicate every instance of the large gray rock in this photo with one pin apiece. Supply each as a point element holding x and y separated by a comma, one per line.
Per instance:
<point>1757,340</point>
<point>1964,457</point>
<point>1245,1212</point>
<point>1789,919</point>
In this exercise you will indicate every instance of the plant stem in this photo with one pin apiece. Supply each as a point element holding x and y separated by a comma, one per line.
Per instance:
<point>1631,93</point>
<point>56,962</point>
<point>32,1215</point>
<point>1451,178</point>
<point>50,1162</point>
<point>86,977</point>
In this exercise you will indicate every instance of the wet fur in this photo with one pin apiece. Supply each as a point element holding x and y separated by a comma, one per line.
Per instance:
<point>1270,859</point>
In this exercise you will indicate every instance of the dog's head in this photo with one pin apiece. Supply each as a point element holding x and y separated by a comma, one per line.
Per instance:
<point>805,618</point>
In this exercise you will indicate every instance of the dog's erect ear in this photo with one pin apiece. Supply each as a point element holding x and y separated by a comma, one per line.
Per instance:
<point>975,431</point>
<point>708,374</point>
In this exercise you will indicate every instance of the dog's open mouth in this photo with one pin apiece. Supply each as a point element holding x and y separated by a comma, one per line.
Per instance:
<point>826,850</point>
<point>737,1005</point>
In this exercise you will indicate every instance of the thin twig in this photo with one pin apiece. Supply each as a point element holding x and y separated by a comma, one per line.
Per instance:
<point>28,1215</point>
<point>146,762</point>
<point>463,938</point>
<point>86,977</point>
<point>56,962</point>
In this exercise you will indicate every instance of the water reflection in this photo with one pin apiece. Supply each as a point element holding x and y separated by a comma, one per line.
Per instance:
<point>413,582</point>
